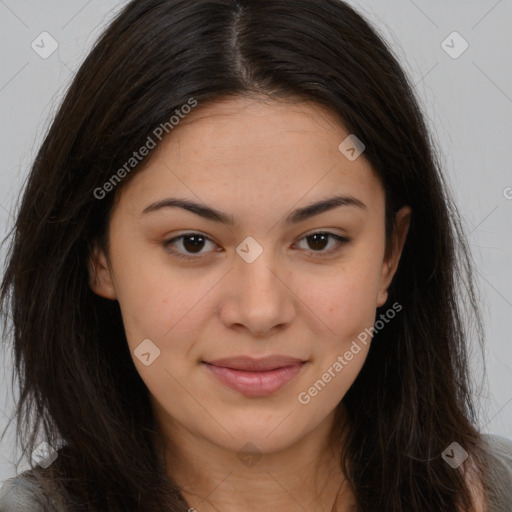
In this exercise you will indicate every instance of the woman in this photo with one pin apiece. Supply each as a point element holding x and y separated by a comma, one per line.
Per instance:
<point>234,278</point>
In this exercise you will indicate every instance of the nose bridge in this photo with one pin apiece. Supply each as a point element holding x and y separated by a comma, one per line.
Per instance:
<point>260,299</point>
<point>257,274</point>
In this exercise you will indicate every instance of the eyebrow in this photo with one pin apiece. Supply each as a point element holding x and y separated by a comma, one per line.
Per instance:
<point>296,216</point>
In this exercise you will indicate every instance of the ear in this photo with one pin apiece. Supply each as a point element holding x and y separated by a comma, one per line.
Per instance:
<point>390,263</point>
<point>100,275</point>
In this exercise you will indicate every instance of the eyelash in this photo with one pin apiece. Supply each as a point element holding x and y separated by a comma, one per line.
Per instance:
<point>340,239</point>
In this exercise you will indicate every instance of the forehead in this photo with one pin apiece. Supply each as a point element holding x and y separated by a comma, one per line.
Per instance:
<point>276,130</point>
<point>253,149</point>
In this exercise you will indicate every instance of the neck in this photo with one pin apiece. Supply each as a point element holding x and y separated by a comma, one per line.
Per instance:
<point>305,476</point>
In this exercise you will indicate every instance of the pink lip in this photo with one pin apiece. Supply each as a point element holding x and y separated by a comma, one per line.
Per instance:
<point>255,377</point>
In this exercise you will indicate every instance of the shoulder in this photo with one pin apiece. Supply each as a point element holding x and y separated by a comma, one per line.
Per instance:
<point>490,483</point>
<point>25,492</point>
<point>499,446</point>
<point>21,493</point>
<point>498,474</point>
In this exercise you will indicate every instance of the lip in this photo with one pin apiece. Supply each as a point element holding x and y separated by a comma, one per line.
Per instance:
<point>255,377</point>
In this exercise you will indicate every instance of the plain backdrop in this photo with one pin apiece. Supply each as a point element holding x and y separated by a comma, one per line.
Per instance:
<point>466,96</point>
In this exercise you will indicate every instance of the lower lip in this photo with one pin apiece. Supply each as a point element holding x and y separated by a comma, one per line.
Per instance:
<point>255,383</point>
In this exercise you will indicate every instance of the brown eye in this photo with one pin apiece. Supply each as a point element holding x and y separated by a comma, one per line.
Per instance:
<point>188,244</point>
<point>319,241</point>
<point>193,243</point>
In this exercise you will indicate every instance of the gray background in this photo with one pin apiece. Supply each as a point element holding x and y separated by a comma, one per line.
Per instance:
<point>467,100</point>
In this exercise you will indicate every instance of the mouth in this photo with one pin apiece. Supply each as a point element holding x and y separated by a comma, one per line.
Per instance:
<point>255,377</point>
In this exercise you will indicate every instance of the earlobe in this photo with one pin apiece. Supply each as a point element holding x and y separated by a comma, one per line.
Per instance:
<point>383,297</point>
<point>100,276</point>
<point>390,265</point>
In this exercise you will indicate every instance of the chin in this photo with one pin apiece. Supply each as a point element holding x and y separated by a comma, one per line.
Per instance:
<point>269,434</point>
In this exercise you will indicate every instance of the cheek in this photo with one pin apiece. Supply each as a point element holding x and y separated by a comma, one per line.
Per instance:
<point>154,296</point>
<point>346,304</point>
<point>345,301</point>
<point>155,310</point>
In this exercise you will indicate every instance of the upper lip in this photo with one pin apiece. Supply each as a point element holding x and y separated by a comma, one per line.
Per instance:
<point>249,364</point>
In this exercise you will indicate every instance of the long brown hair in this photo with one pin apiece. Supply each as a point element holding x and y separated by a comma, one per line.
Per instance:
<point>77,381</point>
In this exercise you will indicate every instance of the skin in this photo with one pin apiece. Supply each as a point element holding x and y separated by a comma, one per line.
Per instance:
<point>256,161</point>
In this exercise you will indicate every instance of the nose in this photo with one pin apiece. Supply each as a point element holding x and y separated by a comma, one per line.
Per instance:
<point>258,297</point>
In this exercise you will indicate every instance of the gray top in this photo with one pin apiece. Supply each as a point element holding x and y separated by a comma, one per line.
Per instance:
<point>22,493</point>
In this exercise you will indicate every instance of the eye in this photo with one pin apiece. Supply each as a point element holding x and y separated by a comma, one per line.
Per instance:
<point>192,243</point>
<point>319,240</point>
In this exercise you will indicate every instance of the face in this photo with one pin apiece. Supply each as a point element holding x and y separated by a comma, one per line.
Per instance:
<point>251,310</point>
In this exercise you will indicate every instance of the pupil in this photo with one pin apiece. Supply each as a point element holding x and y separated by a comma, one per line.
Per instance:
<point>195,245</point>
<point>323,236</point>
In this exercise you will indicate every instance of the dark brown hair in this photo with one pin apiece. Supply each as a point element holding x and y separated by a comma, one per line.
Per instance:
<point>77,381</point>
